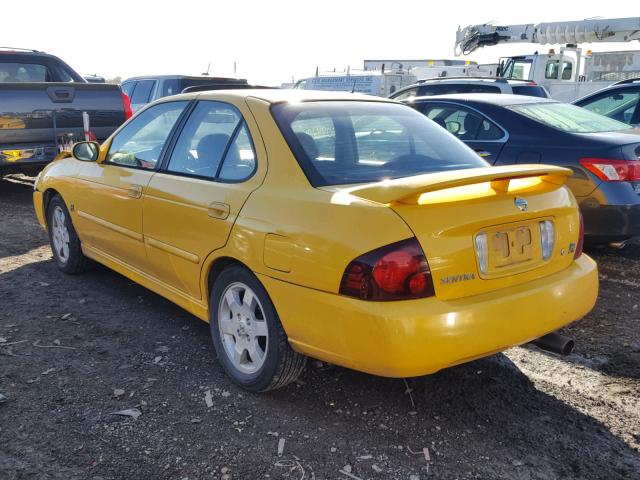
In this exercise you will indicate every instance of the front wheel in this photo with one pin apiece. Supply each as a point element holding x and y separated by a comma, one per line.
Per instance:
<point>247,334</point>
<point>63,239</point>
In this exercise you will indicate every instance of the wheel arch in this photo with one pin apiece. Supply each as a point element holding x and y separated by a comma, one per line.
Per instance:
<point>48,194</point>
<point>214,269</point>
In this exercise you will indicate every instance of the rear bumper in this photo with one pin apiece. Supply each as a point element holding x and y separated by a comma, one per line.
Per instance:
<point>14,159</point>
<point>611,223</point>
<point>418,337</point>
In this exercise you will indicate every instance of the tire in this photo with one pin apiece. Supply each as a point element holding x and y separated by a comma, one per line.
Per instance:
<point>247,335</point>
<point>63,238</point>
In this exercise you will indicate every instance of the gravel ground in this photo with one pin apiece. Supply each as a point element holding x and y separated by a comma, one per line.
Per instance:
<point>73,350</point>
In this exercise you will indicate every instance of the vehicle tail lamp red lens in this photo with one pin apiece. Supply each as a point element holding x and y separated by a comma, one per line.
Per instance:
<point>395,272</point>
<point>610,170</point>
<point>580,243</point>
<point>126,103</point>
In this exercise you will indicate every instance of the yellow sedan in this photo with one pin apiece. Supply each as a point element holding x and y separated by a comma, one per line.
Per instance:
<point>346,228</point>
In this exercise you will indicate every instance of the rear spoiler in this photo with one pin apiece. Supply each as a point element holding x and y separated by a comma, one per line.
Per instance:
<point>409,189</point>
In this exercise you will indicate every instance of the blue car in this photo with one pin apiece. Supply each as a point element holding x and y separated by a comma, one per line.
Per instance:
<point>603,153</point>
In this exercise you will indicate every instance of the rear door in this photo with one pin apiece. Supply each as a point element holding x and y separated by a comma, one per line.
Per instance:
<point>192,203</point>
<point>109,196</point>
<point>484,136</point>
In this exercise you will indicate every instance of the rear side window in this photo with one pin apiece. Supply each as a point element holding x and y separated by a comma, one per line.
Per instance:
<point>350,142</point>
<point>127,87</point>
<point>142,92</point>
<point>463,123</point>
<point>24,72</point>
<point>214,143</point>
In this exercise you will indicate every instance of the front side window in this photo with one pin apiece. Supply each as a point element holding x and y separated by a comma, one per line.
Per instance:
<point>348,142</point>
<point>568,118</point>
<point>140,142</point>
<point>463,123</point>
<point>214,143</point>
<point>619,106</point>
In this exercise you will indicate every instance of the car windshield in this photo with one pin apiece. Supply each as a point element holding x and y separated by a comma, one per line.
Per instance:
<point>346,142</point>
<point>568,118</point>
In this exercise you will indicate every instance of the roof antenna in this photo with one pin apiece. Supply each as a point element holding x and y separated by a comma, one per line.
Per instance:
<point>234,69</point>
<point>206,74</point>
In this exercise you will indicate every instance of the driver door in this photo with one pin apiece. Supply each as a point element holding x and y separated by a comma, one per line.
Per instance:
<point>108,205</point>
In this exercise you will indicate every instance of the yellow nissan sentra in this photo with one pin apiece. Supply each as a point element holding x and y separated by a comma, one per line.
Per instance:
<point>340,227</point>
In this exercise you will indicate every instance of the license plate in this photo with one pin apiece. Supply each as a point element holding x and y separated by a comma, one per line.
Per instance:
<point>511,246</point>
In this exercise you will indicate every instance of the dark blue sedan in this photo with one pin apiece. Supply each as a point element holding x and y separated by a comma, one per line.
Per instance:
<point>603,153</point>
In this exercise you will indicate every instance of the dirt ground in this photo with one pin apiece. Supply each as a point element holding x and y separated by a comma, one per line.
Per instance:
<point>73,350</point>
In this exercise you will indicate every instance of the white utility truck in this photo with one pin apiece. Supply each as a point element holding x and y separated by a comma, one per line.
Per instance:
<point>570,73</point>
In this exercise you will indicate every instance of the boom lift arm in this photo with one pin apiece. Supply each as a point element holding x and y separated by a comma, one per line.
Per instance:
<point>594,30</point>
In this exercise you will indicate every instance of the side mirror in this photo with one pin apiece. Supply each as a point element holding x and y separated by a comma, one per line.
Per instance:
<point>453,127</point>
<point>86,151</point>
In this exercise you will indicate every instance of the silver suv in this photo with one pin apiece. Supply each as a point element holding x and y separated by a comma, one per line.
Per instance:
<point>447,85</point>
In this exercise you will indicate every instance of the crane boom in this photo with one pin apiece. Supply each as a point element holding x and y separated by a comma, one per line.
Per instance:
<point>594,30</point>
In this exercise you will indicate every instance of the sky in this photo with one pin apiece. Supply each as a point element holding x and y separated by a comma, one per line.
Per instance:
<point>272,41</point>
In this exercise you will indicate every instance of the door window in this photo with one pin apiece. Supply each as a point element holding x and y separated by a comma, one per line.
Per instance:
<point>140,142</point>
<point>127,87</point>
<point>619,106</point>
<point>463,123</point>
<point>214,143</point>
<point>142,93</point>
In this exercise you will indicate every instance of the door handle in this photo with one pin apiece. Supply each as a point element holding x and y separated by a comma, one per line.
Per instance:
<point>134,191</point>
<point>218,210</point>
<point>482,153</point>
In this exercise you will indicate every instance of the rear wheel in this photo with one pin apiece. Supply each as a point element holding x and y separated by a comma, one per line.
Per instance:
<point>247,334</point>
<point>63,239</point>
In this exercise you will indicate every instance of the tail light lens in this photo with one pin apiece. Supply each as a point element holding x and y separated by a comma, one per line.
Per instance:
<point>396,272</point>
<point>126,103</point>
<point>580,243</point>
<point>610,170</point>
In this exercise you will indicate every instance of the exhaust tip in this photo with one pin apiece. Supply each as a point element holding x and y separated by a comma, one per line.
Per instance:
<point>568,347</point>
<point>555,343</point>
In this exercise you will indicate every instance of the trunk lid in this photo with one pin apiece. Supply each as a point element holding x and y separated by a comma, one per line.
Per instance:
<point>503,206</point>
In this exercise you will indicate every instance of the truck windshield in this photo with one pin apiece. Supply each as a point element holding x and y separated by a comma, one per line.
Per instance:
<point>517,69</point>
<point>346,142</point>
<point>568,118</point>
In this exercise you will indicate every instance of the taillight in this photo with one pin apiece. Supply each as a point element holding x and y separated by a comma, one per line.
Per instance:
<point>613,170</point>
<point>580,243</point>
<point>396,272</point>
<point>126,103</point>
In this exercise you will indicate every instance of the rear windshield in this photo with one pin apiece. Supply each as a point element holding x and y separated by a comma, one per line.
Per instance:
<point>530,90</point>
<point>346,142</point>
<point>23,72</point>
<point>568,118</point>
